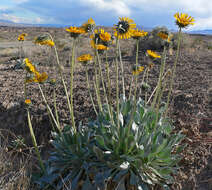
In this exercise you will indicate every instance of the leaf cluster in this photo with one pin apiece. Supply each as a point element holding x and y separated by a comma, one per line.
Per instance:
<point>141,153</point>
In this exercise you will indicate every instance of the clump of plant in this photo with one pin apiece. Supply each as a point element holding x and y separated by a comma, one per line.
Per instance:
<point>154,43</point>
<point>131,143</point>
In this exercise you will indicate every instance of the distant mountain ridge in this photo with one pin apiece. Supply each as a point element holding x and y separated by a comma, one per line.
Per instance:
<point>13,24</point>
<point>205,32</point>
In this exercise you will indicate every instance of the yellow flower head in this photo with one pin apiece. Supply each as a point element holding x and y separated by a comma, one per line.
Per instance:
<point>22,37</point>
<point>100,37</point>
<point>44,40</point>
<point>136,34</point>
<point>183,20</point>
<point>89,25</point>
<point>153,54</point>
<point>85,58</point>
<point>38,78</point>
<point>138,70</point>
<point>163,35</point>
<point>124,28</point>
<point>98,46</point>
<point>75,31</point>
<point>29,66</point>
<point>27,101</point>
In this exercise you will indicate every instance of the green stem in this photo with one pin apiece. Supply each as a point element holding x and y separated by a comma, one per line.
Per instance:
<point>108,80</point>
<point>97,85</point>
<point>147,77</point>
<point>62,78</point>
<point>173,72</point>
<point>136,65</point>
<point>71,83</point>
<point>162,68</point>
<point>48,108</point>
<point>103,85</point>
<point>159,99</point>
<point>117,83</point>
<point>55,107</point>
<point>122,69</point>
<point>35,142</point>
<point>131,84</point>
<point>89,90</point>
<point>156,88</point>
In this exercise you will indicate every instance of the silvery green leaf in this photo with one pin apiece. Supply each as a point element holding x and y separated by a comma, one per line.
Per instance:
<point>124,165</point>
<point>107,152</point>
<point>134,127</point>
<point>121,119</point>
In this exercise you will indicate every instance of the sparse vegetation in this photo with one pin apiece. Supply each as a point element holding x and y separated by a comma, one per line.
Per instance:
<point>105,129</point>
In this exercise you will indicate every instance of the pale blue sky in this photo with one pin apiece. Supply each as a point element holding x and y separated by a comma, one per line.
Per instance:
<point>148,13</point>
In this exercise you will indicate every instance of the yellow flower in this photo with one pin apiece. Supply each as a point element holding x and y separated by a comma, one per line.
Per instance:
<point>153,54</point>
<point>40,77</point>
<point>138,70</point>
<point>98,46</point>
<point>163,35</point>
<point>44,40</point>
<point>100,37</point>
<point>183,20</point>
<point>29,66</point>
<point>75,31</point>
<point>47,42</point>
<point>104,36</point>
<point>22,37</point>
<point>136,34</point>
<point>85,58</point>
<point>101,47</point>
<point>89,25</point>
<point>27,101</point>
<point>124,28</point>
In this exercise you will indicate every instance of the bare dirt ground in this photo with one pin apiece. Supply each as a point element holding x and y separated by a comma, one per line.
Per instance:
<point>191,108</point>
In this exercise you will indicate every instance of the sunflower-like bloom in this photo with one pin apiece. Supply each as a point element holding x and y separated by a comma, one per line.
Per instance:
<point>47,42</point>
<point>153,54</point>
<point>38,78</point>
<point>22,37</point>
<point>85,58</point>
<point>165,36</point>
<point>27,101</point>
<point>100,37</point>
<point>136,34</point>
<point>29,66</point>
<point>98,46</point>
<point>75,31</point>
<point>183,20</point>
<point>124,28</point>
<point>138,70</point>
<point>44,40</point>
<point>89,25</point>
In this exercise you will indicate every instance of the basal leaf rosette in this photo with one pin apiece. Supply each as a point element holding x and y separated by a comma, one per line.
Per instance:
<point>139,154</point>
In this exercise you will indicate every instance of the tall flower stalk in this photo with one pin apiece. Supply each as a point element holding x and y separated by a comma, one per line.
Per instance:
<point>183,21</point>
<point>34,141</point>
<point>173,72</point>
<point>162,68</point>
<point>71,82</point>
<point>103,85</point>
<point>117,83</point>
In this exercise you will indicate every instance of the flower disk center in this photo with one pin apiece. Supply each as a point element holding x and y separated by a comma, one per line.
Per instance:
<point>123,27</point>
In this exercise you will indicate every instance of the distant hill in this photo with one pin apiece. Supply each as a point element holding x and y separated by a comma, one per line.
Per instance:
<point>205,32</point>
